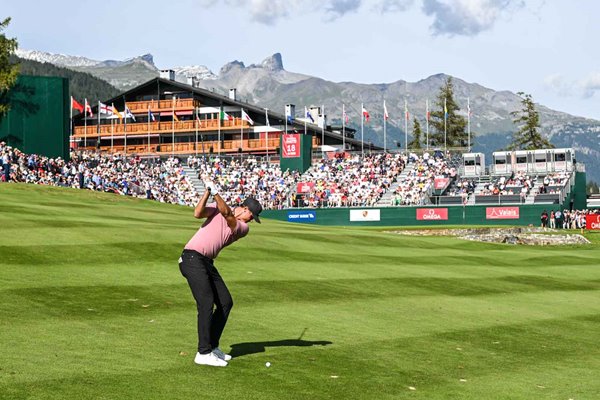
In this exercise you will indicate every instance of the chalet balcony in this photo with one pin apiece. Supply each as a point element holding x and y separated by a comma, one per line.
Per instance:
<point>144,128</point>
<point>138,107</point>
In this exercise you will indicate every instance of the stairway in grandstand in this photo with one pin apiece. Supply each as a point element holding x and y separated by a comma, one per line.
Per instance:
<point>192,177</point>
<point>386,199</point>
<point>483,180</point>
<point>530,199</point>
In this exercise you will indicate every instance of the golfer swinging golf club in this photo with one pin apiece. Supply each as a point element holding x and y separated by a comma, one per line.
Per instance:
<point>222,227</point>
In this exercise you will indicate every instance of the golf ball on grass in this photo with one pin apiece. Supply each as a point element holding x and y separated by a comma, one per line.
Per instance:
<point>267,364</point>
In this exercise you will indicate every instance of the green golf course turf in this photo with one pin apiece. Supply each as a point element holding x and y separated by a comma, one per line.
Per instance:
<point>93,306</point>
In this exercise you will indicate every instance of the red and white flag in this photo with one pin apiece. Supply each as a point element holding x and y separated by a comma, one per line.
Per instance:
<point>365,114</point>
<point>88,108</point>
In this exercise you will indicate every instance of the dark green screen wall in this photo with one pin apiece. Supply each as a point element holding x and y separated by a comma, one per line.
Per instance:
<point>38,121</point>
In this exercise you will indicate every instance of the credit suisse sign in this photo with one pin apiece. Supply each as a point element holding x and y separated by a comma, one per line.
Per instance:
<point>592,222</point>
<point>502,213</point>
<point>432,214</point>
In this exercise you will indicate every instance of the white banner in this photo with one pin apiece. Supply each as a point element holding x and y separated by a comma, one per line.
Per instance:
<point>364,215</point>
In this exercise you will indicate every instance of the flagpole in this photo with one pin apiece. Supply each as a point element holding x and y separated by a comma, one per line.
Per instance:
<point>406,125</point>
<point>362,133</point>
<point>71,117</point>
<point>148,129</point>
<point>85,124</point>
<point>196,121</point>
<point>173,129</point>
<point>427,121</point>
<point>112,131</point>
<point>98,127</point>
<point>323,131</point>
<point>384,129</point>
<point>241,130</point>
<point>469,124</point>
<point>344,127</point>
<point>125,124</point>
<point>305,117</point>
<point>445,126</point>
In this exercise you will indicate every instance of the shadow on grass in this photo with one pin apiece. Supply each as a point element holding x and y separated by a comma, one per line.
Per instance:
<point>242,349</point>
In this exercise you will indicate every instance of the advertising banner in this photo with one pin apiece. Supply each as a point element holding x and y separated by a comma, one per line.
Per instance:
<point>304,187</point>
<point>592,222</point>
<point>440,183</point>
<point>302,216</point>
<point>432,214</point>
<point>364,215</point>
<point>291,145</point>
<point>502,213</point>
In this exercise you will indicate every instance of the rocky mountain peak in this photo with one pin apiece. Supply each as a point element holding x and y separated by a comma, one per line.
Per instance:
<point>230,66</point>
<point>273,63</point>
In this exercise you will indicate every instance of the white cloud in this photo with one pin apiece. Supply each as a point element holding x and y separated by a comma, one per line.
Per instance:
<point>590,85</point>
<point>466,17</point>
<point>557,83</point>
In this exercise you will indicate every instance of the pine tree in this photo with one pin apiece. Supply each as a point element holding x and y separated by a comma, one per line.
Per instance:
<point>8,70</point>
<point>528,137</point>
<point>455,125</point>
<point>415,143</point>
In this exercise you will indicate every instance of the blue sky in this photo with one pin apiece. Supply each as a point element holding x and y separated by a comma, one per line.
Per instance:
<point>547,48</point>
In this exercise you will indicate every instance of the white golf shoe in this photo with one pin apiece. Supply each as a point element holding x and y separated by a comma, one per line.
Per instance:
<point>209,359</point>
<point>222,355</point>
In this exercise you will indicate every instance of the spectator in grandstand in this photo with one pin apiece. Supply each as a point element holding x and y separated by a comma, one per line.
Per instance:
<point>222,227</point>
<point>6,156</point>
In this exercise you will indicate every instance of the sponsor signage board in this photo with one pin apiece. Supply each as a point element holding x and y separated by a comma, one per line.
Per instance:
<point>304,187</point>
<point>365,215</point>
<point>432,214</point>
<point>502,213</point>
<point>302,216</point>
<point>592,222</point>
<point>440,183</point>
<point>291,145</point>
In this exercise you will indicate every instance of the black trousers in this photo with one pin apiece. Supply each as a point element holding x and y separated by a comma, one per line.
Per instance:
<point>213,299</point>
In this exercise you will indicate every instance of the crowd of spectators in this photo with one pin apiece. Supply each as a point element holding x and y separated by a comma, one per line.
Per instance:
<point>518,183</point>
<point>553,183</point>
<point>248,177</point>
<point>416,187</point>
<point>566,219</point>
<point>351,181</point>
<point>161,180</point>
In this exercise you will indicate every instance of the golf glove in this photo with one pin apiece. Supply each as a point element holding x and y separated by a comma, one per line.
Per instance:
<point>212,187</point>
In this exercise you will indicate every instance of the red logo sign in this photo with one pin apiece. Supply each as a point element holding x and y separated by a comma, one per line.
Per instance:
<point>502,213</point>
<point>440,183</point>
<point>290,145</point>
<point>432,214</point>
<point>592,222</point>
<point>304,187</point>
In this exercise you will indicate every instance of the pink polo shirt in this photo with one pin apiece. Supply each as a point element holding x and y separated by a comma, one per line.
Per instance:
<point>215,234</point>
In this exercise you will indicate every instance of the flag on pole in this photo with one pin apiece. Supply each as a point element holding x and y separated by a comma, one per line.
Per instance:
<point>386,116</point>
<point>468,108</point>
<point>365,114</point>
<point>76,105</point>
<point>246,117</point>
<point>151,116</point>
<point>406,113</point>
<point>105,109</point>
<point>427,114</point>
<point>309,115</point>
<point>267,118</point>
<point>345,115</point>
<point>116,112</point>
<point>224,116</point>
<point>129,114</point>
<point>175,117</point>
<point>88,108</point>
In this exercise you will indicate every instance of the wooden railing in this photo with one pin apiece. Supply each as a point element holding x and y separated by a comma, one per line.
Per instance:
<point>162,105</point>
<point>143,128</point>
<point>227,147</point>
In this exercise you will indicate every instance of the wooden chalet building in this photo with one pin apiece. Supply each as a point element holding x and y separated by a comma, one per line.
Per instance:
<point>166,117</point>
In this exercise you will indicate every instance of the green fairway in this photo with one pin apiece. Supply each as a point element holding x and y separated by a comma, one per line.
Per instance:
<point>93,306</point>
